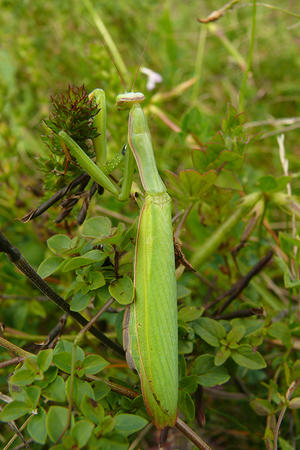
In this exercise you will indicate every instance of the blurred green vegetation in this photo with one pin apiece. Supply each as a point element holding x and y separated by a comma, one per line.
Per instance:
<point>48,45</point>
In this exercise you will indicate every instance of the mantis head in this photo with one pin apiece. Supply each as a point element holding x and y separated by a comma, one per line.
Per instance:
<point>125,101</point>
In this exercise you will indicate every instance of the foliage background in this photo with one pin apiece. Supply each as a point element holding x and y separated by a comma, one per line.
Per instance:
<point>48,45</point>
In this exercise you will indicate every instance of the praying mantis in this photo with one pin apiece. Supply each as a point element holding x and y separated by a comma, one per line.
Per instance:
<point>150,324</point>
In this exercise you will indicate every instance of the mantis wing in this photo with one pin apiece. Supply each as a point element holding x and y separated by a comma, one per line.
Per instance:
<point>153,332</point>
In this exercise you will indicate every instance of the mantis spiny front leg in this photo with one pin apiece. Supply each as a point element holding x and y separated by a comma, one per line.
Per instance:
<point>150,326</point>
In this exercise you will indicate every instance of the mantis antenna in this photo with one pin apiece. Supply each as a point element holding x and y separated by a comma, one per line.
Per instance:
<point>141,59</point>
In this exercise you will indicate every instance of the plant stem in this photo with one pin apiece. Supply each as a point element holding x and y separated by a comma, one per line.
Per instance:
<point>109,43</point>
<point>14,348</point>
<point>239,59</point>
<point>10,362</point>
<point>11,441</point>
<point>250,58</point>
<point>199,62</point>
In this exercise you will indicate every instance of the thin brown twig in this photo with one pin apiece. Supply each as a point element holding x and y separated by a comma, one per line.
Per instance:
<point>241,313</point>
<point>183,219</point>
<point>141,435</point>
<point>55,198</point>
<point>114,214</point>
<point>11,441</point>
<point>241,284</point>
<point>10,362</point>
<point>216,15</point>
<point>55,332</point>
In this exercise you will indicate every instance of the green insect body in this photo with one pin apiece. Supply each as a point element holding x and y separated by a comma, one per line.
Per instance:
<point>150,327</point>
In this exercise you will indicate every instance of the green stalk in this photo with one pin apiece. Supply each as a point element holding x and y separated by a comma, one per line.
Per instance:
<point>199,61</point>
<point>228,45</point>
<point>109,43</point>
<point>14,348</point>
<point>100,123</point>
<point>250,58</point>
<point>87,164</point>
<point>216,239</point>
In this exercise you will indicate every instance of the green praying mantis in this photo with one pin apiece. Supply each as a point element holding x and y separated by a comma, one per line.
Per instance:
<point>150,323</point>
<point>150,336</point>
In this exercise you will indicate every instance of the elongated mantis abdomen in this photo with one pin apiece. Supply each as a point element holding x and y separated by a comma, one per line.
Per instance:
<point>150,336</point>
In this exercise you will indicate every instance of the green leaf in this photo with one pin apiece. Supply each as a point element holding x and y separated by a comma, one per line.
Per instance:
<point>122,290</point>
<point>208,374</point>
<point>59,243</point>
<point>66,346</point>
<point>31,363</point>
<point>245,356</point>
<point>94,364</point>
<point>127,424</point>
<point>196,183</point>
<point>49,377</point>
<point>108,424</point>
<point>111,444</point>
<point>55,391</point>
<point>228,180</point>
<point>96,227</point>
<point>80,389</point>
<point>95,280</point>
<point>63,361</point>
<point>49,266</point>
<point>209,330</point>
<point>261,407</point>
<point>195,122</point>
<point>22,377</point>
<point>14,410</point>
<point>189,313</point>
<point>186,405</point>
<point>236,334</point>
<point>80,301</point>
<point>37,309</point>
<point>294,403</point>
<point>33,394</point>
<point>221,356</point>
<point>214,377</point>
<point>268,183</point>
<point>57,419</point>
<point>95,256</point>
<point>189,383</point>
<point>101,390</point>
<point>285,445</point>
<point>44,359</point>
<point>93,410</point>
<point>81,432</point>
<point>281,331</point>
<point>182,291</point>
<point>288,244</point>
<point>37,427</point>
